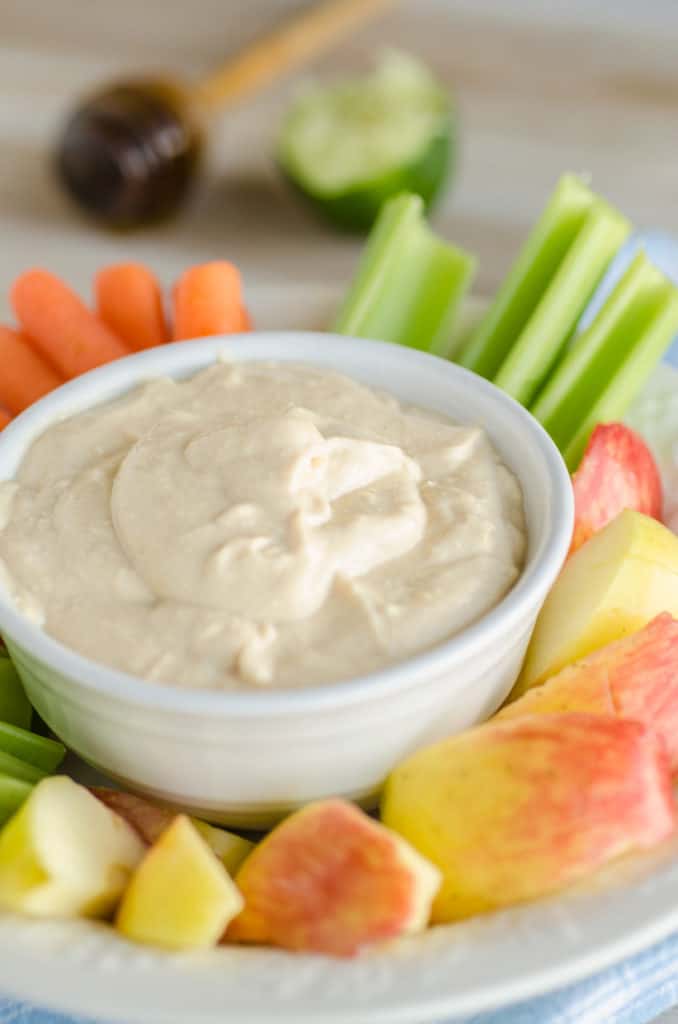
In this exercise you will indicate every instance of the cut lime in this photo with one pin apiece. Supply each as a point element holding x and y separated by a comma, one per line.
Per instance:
<point>350,146</point>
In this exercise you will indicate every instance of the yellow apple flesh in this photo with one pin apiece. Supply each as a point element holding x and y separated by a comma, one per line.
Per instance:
<point>65,854</point>
<point>181,896</point>
<point>618,581</point>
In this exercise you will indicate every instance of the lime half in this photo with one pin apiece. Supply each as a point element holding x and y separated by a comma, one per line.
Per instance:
<point>350,146</point>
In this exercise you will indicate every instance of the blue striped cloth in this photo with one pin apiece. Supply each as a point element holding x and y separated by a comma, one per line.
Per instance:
<point>634,992</point>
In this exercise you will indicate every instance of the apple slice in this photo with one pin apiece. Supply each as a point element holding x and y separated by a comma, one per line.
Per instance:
<point>228,847</point>
<point>150,820</point>
<point>617,472</point>
<point>65,854</point>
<point>329,879</point>
<point>636,678</point>
<point>515,810</point>
<point>612,586</point>
<point>180,896</point>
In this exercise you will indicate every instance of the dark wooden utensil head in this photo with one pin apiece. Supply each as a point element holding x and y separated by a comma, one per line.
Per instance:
<point>129,153</point>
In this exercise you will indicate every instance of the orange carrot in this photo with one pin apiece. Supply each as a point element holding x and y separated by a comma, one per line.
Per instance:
<point>24,375</point>
<point>245,319</point>
<point>59,324</point>
<point>129,300</point>
<point>207,300</point>
<point>5,418</point>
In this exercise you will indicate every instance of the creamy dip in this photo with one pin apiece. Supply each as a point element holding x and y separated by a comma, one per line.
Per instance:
<point>259,525</point>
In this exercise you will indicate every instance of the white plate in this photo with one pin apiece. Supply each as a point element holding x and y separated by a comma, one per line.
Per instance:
<point>453,971</point>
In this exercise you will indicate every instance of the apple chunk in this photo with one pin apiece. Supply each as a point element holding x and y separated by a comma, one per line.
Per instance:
<point>181,896</point>
<point>329,879</point>
<point>625,575</point>
<point>616,472</point>
<point>65,854</point>
<point>515,810</point>
<point>632,678</point>
<point>150,820</point>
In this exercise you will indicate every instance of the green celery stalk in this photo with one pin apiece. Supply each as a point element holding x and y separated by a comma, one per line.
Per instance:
<point>529,277</point>
<point>15,706</point>
<point>39,751</point>
<point>596,355</point>
<point>409,283</point>
<point>629,380</point>
<point>18,769</point>
<point>536,350</point>
<point>13,792</point>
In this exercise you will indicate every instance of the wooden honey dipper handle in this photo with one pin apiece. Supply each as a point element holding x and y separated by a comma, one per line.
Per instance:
<point>284,50</point>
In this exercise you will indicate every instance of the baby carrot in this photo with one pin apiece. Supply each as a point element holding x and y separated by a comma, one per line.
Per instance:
<point>129,301</point>
<point>60,325</point>
<point>207,300</point>
<point>24,375</point>
<point>5,418</point>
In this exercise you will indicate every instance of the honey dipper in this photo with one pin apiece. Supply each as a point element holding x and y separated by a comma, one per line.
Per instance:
<point>130,152</point>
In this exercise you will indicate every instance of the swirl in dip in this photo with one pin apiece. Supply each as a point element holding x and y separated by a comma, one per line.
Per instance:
<point>260,524</point>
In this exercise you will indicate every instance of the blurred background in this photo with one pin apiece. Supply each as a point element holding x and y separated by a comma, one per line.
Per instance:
<point>541,88</point>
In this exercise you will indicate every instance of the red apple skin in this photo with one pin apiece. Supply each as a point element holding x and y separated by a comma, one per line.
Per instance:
<point>515,810</point>
<point>617,471</point>
<point>148,820</point>
<point>635,678</point>
<point>331,880</point>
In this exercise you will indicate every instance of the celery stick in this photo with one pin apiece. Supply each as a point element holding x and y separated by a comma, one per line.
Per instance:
<point>598,352</point>
<point>15,706</point>
<point>18,769</point>
<point>409,283</point>
<point>537,349</point>
<point>13,792</point>
<point>37,750</point>
<point>529,277</point>
<point>630,379</point>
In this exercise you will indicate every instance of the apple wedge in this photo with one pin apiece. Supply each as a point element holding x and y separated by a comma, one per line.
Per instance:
<point>616,472</point>
<point>150,820</point>
<point>65,854</point>
<point>635,678</point>
<point>612,586</point>
<point>516,810</point>
<point>181,896</point>
<point>329,879</point>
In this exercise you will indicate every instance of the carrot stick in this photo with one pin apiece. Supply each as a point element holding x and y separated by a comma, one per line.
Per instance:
<point>129,300</point>
<point>207,300</point>
<point>24,375</point>
<point>5,418</point>
<point>60,325</point>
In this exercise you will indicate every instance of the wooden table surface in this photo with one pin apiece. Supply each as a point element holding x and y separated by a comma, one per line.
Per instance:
<point>542,88</point>
<point>594,91</point>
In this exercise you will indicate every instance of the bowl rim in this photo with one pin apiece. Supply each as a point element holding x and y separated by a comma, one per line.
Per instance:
<point>184,358</point>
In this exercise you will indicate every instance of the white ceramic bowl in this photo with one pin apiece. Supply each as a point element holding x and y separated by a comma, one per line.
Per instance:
<point>245,758</point>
